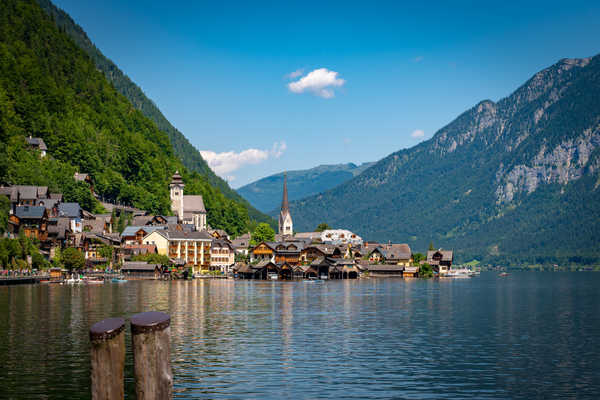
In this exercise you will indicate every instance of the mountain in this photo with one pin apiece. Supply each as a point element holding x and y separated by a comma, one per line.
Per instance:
<point>183,149</point>
<point>50,88</point>
<point>515,181</point>
<point>265,194</point>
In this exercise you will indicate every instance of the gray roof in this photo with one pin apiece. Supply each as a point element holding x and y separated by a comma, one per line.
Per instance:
<point>132,230</point>
<point>139,266</point>
<point>58,227</point>
<point>142,220</point>
<point>395,251</point>
<point>183,235</point>
<point>308,235</point>
<point>37,142</point>
<point>171,219</point>
<point>23,192</point>
<point>56,196</point>
<point>48,203</point>
<point>221,243</point>
<point>193,204</point>
<point>241,243</point>
<point>382,267</point>
<point>95,225</point>
<point>30,212</point>
<point>447,255</point>
<point>71,210</point>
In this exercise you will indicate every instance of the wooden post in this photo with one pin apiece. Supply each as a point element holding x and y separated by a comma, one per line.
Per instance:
<point>152,355</point>
<point>108,358</point>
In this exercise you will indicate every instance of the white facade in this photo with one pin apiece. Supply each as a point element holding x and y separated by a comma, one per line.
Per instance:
<point>340,236</point>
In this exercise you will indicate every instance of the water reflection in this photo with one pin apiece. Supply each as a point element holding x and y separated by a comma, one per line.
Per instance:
<point>530,336</point>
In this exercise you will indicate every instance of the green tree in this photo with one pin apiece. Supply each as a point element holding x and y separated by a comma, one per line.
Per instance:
<point>72,259</point>
<point>322,227</point>
<point>418,257</point>
<point>4,210</point>
<point>262,233</point>
<point>425,271</point>
<point>152,258</point>
<point>431,246</point>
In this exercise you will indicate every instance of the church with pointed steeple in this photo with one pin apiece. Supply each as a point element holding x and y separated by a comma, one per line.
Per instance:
<point>286,226</point>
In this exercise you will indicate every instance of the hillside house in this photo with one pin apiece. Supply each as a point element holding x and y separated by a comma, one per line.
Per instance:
<point>37,144</point>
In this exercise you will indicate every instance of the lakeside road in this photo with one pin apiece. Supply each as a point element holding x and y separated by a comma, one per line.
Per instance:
<point>528,335</point>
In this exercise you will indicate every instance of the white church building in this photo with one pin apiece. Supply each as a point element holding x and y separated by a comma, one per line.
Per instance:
<point>189,209</point>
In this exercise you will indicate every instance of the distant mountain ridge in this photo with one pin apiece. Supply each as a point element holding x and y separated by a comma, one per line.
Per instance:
<point>183,149</point>
<point>265,194</point>
<point>513,181</point>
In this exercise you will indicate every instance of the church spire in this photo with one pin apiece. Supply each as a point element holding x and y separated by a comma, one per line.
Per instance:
<point>286,226</point>
<point>284,203</point>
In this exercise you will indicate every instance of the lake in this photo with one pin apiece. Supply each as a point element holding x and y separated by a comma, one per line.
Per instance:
<point>528,335</point>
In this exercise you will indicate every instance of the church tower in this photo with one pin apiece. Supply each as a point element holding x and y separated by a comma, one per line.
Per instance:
<point>286,226</point>
<point>176,187</point>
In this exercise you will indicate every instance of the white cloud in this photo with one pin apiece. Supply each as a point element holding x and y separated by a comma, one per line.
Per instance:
<point>224,163</point>
<point>295,74</point>
<point>417,134</point>
<point>320,82</point>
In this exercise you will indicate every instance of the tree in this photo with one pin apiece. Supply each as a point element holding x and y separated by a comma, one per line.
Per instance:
<point>431,246</point>
<point>4,209</point>
<point>322,227</point>
<point>72,259</point>
<point>262,233</point>
<point>152,258</point>
<point>425,271</point>
<point>418,257</point>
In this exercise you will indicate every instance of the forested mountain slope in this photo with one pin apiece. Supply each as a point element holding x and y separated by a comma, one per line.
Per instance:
<point>512,181</point>
<point>50,88</point>
<point>183,149</point>
<point>265,194</point>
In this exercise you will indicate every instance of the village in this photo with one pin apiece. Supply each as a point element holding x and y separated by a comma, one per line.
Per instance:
<point>183,245</point>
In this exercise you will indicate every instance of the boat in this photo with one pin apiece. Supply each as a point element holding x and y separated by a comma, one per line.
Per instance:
<point>459,273</point>
<point>94,281</point>
<point>503,274</point>
<point>118,280</point>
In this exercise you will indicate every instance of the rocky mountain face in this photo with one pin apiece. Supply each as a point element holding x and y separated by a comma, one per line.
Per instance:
<point>512,181</point>
<point>265,194</point>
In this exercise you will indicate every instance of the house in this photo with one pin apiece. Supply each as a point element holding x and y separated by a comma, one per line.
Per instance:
<point>37,144</point>
<point>440,260</point>
<point>340,236</point>
<point>32,220</point>
<point>95,225</point>
<point>74,213</point>
<point>288,252</point>
<point>410,272</point>
<point>128,251</point>
<point>141,269</point>
<point>142,220</point>
<point>241,244</point>
<point>222,255</point>
<point>59,232</point>
<point>219,234</point>
<point>191,247</point>
<point>334,268</point>
<point>135,234</point>
<point>21,195</point>
<point>312,252</point>
<point>399,254</point>
<point>189,209</point>
<point>263,251</point>
<point>92,245</point>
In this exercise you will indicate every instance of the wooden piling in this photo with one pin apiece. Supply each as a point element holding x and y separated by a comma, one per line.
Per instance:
<point>150,332</point>
<point>108,359</point>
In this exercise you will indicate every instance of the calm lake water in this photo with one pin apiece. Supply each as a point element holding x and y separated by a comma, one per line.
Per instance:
<point>529,335</point>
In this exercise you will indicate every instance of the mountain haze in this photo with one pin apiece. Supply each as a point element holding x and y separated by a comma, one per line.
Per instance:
<point>265,194</point>
<point>183,149</point>
<point>512,181</point>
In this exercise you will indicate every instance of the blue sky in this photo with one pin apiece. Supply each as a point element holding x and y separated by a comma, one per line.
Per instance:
<point>396,73</point>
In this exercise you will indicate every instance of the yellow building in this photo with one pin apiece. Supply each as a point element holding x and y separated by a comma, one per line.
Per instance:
<point>191,247</point>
